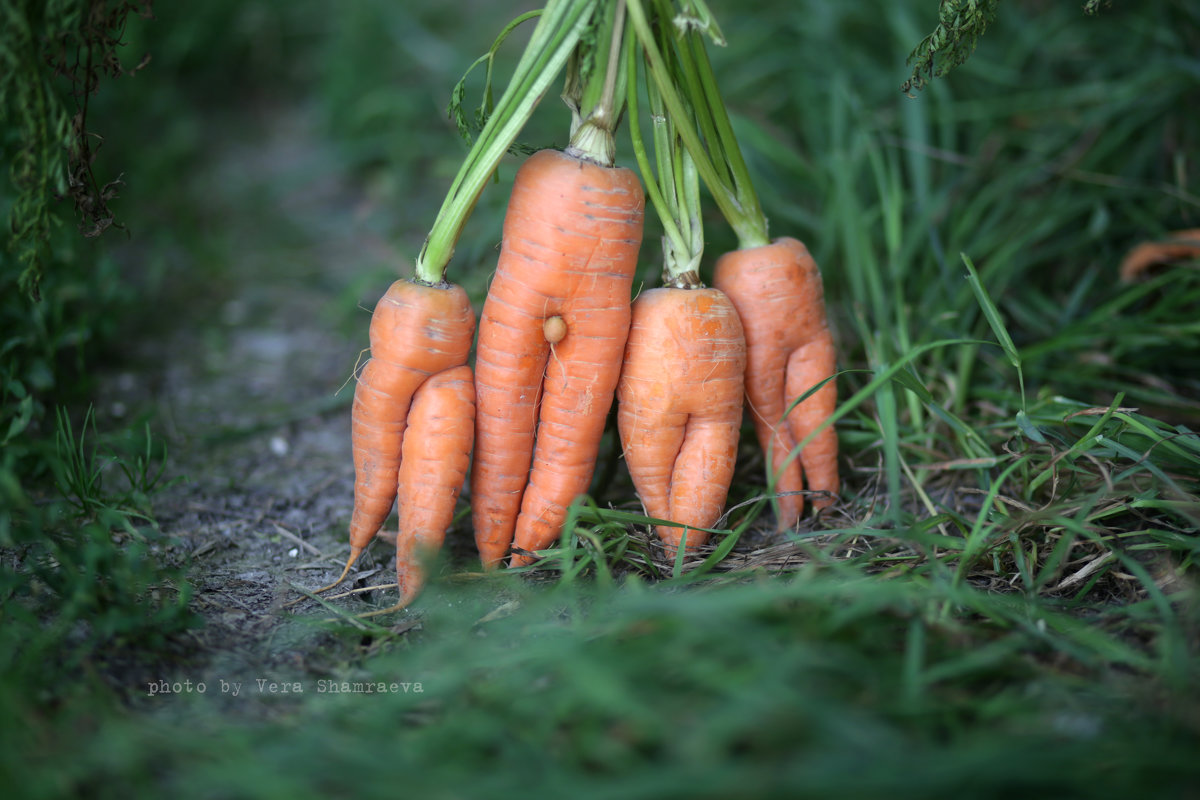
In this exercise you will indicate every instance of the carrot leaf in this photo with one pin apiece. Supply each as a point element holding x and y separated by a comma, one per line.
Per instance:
<point>469,127</point>
<point>559,28</point>
<point>950,44</point>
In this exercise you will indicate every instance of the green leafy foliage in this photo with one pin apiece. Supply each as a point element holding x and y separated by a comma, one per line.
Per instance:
<point>469,127</point>
<point>81,469</point>
<point>52,58</point>
<point>828,684</point>
<point>84,586</point>
<point>960,24</point>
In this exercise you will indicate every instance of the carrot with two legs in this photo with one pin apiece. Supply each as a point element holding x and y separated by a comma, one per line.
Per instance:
<point>774,285</point>
<point>553,331</point>
<point>777,290</point>
<point>679,408</point>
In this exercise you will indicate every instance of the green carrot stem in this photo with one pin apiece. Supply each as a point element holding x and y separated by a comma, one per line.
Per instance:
<point>674,191</point>
<point>653,191</point>
<point>700,99</point>
<point>661,75</point>
<point>734,195</point>
<point>557,32</point>
<point>602,97</point>
<point>728,146</point>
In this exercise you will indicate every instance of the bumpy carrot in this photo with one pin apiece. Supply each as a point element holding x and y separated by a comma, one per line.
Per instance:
<point>778,293</point>
<point>774,285</point>
<point>570,244</point>
<point>680,406</point>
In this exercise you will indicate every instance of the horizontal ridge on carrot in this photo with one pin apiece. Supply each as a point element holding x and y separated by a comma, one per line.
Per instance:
<point>680,407</point>
<point>778,293</point>
<point>571,238</point>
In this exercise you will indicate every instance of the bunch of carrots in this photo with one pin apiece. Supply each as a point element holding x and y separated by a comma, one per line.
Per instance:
<point>560,336</point>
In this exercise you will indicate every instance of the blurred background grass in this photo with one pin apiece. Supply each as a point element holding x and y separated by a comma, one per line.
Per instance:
<point>948,655</point>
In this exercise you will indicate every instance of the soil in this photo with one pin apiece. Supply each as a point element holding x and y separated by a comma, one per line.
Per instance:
<point>252,398</point>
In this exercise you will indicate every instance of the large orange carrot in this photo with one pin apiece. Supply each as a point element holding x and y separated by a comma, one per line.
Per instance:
<point>417,331</point>
<point>679,408</point>
<point>436,455</point>
<point>777,291</point>
<point>570,244</point>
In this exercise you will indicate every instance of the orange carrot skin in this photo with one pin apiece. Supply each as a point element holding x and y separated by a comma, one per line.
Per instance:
<point>436,455</point>
<point>679,409</point>
<point>779,296</point>
<point>416,331</point>
<point>570,244</point>
<point>1178,245</point>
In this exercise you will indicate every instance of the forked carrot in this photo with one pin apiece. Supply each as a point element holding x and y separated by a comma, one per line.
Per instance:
<point>417,331</point>
<point>679,410</point>
<point>679,407</point>
<point>778,293</point>
<point>413,413</point>
<point>774,285</point>
<point>569,250</point>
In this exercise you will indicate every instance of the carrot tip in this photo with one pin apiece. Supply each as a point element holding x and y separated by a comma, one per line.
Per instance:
<point>355,552</point>
<point>400,606</point>
<point>492,556</point>
<point>521,558</point>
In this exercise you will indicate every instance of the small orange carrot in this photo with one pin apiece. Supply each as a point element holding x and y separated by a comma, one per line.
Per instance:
<point>679,409</point>
<point>436,455</point>
<point>777,291</point>
<point>417,331</point>
<point>569,250</point>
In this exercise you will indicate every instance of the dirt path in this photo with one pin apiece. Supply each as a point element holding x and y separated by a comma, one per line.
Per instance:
<point>253,400</point>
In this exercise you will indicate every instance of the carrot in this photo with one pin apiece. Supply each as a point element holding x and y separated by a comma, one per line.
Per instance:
<point>774,285</point>
<point>1178,246</point>
<point>436,455</point>
<point>679,409</point>
<point>417,331</point>
<point>569,250</point>
<point>413,415</point>
<point>777,291</point>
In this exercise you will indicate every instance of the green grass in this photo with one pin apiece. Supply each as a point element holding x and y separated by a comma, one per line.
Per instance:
<point>1003,602</point>
<point>828,683</point>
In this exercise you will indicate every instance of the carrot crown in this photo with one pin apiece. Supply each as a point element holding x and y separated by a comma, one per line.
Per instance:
<point>559,28</point>
<point>595,91</point>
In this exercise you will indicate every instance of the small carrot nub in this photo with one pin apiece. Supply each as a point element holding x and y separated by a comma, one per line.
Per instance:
<point>554,329</point>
